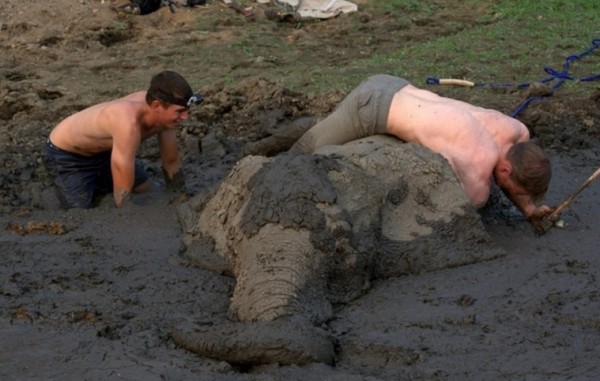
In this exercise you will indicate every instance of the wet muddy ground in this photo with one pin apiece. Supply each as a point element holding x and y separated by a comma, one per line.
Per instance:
<point>93,294</point>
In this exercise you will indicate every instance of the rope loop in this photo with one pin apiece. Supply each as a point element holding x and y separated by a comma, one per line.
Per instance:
<point>590,78</point>
<point>572,58</point>
<point>560,76</point>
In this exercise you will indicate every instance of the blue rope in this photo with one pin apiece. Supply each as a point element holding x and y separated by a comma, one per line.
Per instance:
<point>560,76</point>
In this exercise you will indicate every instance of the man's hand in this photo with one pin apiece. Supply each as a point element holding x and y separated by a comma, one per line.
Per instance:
<point>121,196</point>
<point>540,212</point>
<point>176,182</point>
<point>539,219</point>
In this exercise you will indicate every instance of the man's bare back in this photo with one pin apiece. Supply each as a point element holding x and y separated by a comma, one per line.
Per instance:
<point>91,131</point>
<point>471,138</point>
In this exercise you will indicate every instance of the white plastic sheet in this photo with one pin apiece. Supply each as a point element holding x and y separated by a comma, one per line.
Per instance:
<point>322,9</point>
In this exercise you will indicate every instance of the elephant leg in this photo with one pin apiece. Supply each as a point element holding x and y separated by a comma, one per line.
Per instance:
<point>282,138</point>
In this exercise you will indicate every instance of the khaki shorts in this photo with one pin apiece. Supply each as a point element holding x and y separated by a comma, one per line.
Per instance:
<point>364,112</point>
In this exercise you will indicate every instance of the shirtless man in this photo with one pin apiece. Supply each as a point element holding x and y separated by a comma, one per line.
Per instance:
<point>480,144</point>
<point>92,152</point>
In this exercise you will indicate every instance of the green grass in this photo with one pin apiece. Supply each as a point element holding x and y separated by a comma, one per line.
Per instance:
<point>513,42</point>
<point>526,37</point>
<point>395,6</point>
<point>485,41</point>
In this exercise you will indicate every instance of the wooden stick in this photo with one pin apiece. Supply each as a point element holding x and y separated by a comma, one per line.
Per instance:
<point>548,221</point>
<point>456,82</point>
<point>570,199</point>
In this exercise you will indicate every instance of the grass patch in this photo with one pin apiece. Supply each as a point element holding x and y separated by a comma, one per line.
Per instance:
<point>523,39</point>
<point>484,41</point>
<point>513,42</point>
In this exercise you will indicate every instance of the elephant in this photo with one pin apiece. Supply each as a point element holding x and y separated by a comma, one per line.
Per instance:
<point>304,235</point>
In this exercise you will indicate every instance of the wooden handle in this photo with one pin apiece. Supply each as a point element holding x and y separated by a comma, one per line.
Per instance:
<point>570,199</point>
<point>456,82</point>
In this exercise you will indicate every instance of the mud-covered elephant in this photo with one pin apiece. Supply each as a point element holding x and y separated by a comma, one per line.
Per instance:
<point>305,234</point>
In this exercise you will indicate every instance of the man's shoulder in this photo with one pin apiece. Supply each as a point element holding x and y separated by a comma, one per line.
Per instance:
<point>135,96</point>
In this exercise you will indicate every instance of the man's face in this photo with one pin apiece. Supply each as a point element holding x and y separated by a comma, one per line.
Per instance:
<point>510,187</point>
<point>515,192</point>
<point>173,115</point>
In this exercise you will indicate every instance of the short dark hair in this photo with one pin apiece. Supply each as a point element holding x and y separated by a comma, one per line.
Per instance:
<point>531,168</point>
<point>169,87</point>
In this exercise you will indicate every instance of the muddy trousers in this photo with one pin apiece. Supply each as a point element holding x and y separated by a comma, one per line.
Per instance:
<point>364,112</point>
<point>79,179</point>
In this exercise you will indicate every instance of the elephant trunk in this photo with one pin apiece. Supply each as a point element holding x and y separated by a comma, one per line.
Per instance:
<point>271,283</point>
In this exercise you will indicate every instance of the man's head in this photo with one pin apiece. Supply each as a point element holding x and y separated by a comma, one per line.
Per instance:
<point>169,87</point>
<point>530,168</point>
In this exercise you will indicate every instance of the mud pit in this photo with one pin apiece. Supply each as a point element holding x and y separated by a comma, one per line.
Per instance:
<point>95,294</point>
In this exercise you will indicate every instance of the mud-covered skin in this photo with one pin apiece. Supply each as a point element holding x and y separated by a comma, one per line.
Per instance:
<point>248,343</point>
<point>304,233</point>
<point>176,182</point>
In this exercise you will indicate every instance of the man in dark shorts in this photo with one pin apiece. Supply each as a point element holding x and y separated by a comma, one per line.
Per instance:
<point>480,144</point>
<point>92,152</point>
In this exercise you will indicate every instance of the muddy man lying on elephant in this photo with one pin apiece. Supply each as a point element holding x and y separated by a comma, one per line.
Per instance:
<point>305,234</point>
<point>481,145</point>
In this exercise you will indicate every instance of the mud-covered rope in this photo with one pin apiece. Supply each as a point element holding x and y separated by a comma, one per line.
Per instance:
<point>554,75</point>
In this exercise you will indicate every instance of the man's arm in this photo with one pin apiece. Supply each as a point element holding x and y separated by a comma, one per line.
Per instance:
<point>534,214</point>
<point>123,173</point>
<point>478,193</point>
<point>169,154</point>
<point>122,160</point>
<point>474,167</point>
<point>528,207</point>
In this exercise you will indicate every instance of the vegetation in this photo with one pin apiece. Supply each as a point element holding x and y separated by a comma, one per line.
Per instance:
<point>484,41</point>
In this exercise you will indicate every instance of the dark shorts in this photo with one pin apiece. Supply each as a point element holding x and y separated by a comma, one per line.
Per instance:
<point>78,179</point>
